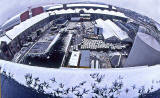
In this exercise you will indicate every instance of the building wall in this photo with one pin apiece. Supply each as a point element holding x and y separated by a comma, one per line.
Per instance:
<point>98,30</point>
<point>143,52</point>
<point>5,52</point>
<point>16,44</point>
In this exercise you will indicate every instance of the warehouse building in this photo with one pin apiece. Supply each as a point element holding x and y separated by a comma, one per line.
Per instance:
<point>110,30</point>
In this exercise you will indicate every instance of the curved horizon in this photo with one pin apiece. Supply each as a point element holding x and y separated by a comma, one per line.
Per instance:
<point>140,6</point>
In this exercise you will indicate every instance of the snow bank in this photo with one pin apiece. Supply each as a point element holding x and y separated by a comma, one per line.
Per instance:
<point>140,76</point>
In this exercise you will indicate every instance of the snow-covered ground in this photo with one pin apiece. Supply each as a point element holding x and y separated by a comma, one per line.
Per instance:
<point>139,76</point>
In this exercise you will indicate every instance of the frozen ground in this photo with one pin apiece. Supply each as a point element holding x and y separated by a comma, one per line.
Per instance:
<point>139,76</point>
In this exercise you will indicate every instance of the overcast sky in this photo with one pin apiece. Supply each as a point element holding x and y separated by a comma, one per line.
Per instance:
<point>149,8</point>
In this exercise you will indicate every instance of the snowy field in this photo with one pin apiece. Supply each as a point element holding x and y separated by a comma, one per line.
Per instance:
<point>133,79</point>
<point>10,8</point>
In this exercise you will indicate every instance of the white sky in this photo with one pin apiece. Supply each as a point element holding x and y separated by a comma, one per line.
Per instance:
<point>149,8</point>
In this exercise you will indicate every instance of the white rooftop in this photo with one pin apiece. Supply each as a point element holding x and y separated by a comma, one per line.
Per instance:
<point>107,32</point>
<point>13,33</point>
<point>79,5</point>
<point>111,29</point>
<point>98,11</point>
<point>74,58</point>
<point>91,5</point>
<point>4,38</point>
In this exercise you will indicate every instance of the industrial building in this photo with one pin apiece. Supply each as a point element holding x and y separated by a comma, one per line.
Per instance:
<point>80,35</point>
<point>145,51</point>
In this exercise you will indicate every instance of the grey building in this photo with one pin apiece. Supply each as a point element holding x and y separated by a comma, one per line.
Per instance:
<point>85,59</point>
<point>145,51</point>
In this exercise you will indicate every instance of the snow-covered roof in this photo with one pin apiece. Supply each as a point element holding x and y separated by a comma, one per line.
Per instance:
<point>116,30</point>
<point>107,31</point>
<point>53,42</point>
<point>138,76</point>
<point>86,5</point>
<point>111,29</point>
<point>5,39</point>
<point>13,33</point>
<point>98,11</point>
<point>74,58</point>
<point>64,11</point>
